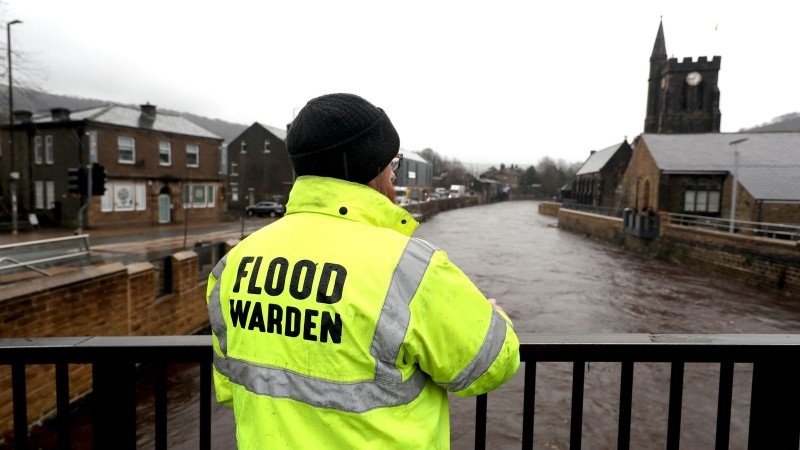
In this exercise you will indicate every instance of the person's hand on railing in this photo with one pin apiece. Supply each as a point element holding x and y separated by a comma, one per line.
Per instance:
<point>494,304</point>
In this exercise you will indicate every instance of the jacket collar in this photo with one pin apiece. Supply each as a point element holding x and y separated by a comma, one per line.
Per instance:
<point>348,200</point>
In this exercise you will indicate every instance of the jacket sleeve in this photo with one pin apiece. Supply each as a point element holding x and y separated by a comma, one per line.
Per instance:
<point>221,383</point>
<point>456,336</point>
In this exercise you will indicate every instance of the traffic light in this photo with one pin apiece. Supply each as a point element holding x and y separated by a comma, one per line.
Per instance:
<point>76,180</point>
<point>98,179</point>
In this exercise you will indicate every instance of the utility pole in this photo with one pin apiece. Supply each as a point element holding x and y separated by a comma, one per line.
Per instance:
<point>14,175</point>
<point>735,145</point>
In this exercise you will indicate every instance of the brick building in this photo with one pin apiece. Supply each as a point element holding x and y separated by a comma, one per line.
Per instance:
<point>158,166</point>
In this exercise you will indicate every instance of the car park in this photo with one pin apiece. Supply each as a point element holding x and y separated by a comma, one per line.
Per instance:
<point>265,208</point>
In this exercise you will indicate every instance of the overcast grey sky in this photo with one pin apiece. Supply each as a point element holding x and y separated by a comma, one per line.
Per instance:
<point>484,82</point>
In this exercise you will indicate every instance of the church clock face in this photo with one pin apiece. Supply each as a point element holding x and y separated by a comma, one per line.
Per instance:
<point>693,78</point>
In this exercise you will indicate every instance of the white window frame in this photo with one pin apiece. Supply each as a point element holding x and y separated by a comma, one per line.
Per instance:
<point>193,149</point>
<point>266,146</point>
<point>50,194</point>
<point>140,197</point>
<point>39,194</point>
<point>165,148</point>
<point>211,196</point>
<point>107,200</point>
<point>125,145</point>
<point>234,192</point>
<point>48,149</point>
<point>243,146</point>
<point>37,150</point>
<point>701,201</point>
<point>234,167</point>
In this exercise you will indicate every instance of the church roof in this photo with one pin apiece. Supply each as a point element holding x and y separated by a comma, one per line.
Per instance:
<point>660,45</point>
<point>598,160</point>
<point>769,163</point>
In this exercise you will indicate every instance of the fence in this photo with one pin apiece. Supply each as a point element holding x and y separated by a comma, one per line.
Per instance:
<point>38,255</point>
<point>774,412</point>
<point>772,230</point>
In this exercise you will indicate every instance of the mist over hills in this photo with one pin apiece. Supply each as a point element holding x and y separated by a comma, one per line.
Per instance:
<point>37,101</point>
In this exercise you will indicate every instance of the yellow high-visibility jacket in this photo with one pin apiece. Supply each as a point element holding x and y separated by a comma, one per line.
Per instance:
<point>334,329</point>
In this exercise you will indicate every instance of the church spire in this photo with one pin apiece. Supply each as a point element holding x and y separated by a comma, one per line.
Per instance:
<point>660,46</point>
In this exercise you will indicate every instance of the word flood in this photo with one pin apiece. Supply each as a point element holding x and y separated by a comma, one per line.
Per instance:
<point>301,282</point>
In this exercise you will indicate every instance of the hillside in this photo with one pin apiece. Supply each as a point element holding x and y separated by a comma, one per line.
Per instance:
<point>786,122</point>
<point>32,100</point>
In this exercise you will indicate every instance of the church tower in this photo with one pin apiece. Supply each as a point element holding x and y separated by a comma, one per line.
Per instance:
<point>682,97</point>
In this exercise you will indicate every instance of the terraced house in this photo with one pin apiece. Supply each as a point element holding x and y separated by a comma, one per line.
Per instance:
<point>159,167</point>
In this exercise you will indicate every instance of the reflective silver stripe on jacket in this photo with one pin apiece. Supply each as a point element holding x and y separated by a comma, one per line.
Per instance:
<point>356,397</point>
<point>396,314</point>
<point>491,347</point>
<point>218,326</point>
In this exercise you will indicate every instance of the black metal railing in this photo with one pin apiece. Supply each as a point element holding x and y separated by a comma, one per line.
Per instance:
<point>774,403</point>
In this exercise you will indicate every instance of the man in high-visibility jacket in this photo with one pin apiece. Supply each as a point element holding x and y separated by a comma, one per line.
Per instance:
<point>333,328</point>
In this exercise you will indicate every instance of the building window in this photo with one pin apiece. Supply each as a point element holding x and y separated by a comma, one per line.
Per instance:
<point>234,167</point>
<point>39,188</point>
<point>37,149</point>
<point>124,196</point>
<point>50,194</point>
<point>48,149</point>
<point>234,192</point>
<point>266,146</point>
<point>701,201</point>
<point>165,153</point>
<point>192,155</point>
<point>223,166</point>
<point>210,198</point>
<point>244,147</point>
<point>127,149</point>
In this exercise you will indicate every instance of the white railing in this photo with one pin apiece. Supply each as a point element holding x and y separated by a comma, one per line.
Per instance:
<point>43,252</point>
<point>766,229</point>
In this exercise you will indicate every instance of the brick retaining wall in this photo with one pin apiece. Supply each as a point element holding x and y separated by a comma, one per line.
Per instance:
<point>108,300</point>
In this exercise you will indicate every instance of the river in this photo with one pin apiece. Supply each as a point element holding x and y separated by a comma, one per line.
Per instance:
<point>550,280</point>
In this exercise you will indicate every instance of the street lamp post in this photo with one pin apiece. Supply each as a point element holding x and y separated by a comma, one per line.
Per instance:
<point>14,175</point>
<point>735,145</point>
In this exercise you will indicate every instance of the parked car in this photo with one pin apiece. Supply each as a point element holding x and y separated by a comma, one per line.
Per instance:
<point>265,208</point>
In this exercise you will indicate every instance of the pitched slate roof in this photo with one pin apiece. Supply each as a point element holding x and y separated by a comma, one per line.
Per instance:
<point>598,160</point>
<point>769,163</point>
<point>131,117</point>
<point>413,156</point>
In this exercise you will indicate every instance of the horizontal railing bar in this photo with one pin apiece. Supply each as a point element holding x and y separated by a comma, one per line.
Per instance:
<point>545,347</point>
<point>45,241</point>
<point>106,348</point>
<point>18,264</point>
<point>616,347</point>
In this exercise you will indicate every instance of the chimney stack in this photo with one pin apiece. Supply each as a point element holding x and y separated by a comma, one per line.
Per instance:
<point>148,110</point>
<point>59,114</point>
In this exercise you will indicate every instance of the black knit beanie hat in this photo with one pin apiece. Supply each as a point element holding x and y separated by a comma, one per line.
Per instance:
<point>341,136</point>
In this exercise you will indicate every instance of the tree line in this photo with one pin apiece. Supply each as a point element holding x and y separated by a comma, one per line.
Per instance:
<point>551,175</point>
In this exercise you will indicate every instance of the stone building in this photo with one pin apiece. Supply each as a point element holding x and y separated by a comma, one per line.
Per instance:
<point>599,180</point>
<point>682,97</point>
<point>694,174</point>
